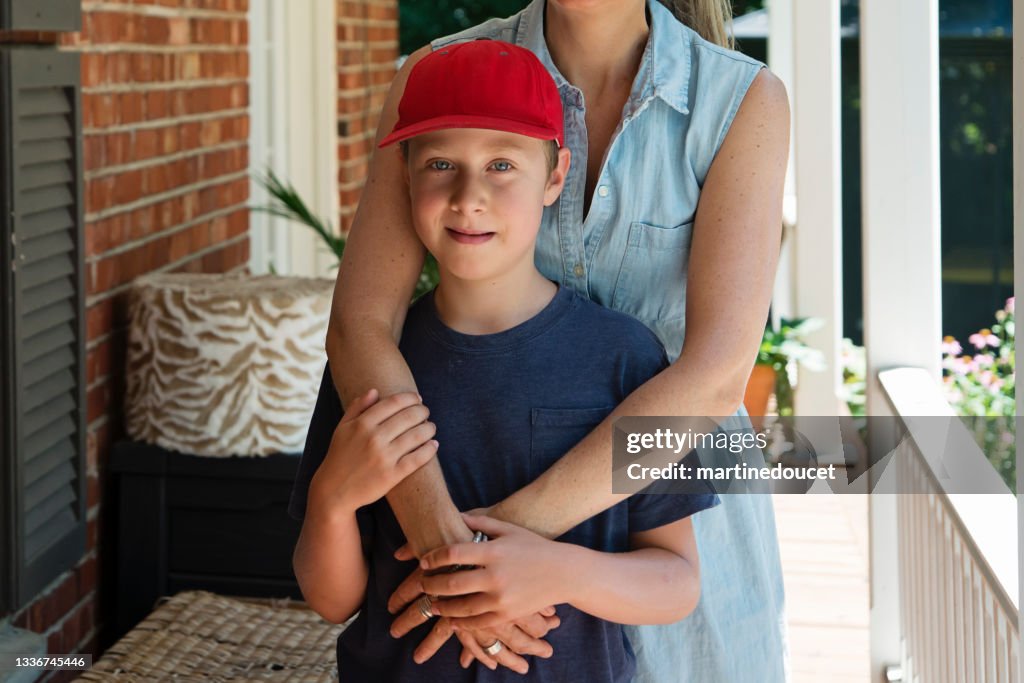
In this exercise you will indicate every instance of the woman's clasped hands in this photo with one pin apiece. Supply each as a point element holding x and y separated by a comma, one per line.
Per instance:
<point>504,590</point>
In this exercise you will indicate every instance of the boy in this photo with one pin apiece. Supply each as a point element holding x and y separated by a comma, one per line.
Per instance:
<point>516,370</point>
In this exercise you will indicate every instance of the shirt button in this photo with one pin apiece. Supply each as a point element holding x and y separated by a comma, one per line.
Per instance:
<point>603,190</point>
<point>578,270</point>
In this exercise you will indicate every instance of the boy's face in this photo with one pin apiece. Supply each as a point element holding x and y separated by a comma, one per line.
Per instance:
<point>477,198</point>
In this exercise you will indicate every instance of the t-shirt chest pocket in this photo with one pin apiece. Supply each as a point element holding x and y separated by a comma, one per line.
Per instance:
<point>556,430</point>
<point>651,283</point>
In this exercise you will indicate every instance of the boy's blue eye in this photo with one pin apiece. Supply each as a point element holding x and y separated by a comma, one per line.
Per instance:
<point>441,165</point>
<point>502,166</point>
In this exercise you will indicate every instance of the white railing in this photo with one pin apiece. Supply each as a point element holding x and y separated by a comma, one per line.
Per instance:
<point>957,554</point>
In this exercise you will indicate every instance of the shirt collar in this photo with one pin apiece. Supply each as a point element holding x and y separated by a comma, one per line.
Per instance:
<point>664,68</point>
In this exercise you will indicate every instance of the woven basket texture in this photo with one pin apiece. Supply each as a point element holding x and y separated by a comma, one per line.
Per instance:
<point>201,636</point>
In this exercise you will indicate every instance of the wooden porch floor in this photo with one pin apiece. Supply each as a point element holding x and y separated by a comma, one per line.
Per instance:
<point>824,549</point>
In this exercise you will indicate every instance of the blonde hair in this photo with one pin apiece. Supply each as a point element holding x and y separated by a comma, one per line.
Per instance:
<point>711,19</point>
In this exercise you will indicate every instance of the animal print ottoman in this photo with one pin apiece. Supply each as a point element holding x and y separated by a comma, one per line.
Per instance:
<point>222,365</point>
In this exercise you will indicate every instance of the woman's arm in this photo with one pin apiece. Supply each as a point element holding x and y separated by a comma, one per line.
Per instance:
<point>376,279</point>
<point>732,266</point>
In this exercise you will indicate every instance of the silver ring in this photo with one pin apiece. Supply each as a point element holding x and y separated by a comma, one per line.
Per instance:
<point>424,604</point>
<point>494,648</point>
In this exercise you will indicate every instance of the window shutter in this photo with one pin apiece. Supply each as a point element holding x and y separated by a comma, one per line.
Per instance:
<point>43,363</point>
<point>41,15</point>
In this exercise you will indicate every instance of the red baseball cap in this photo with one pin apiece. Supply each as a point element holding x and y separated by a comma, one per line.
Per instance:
<point>480,84</point>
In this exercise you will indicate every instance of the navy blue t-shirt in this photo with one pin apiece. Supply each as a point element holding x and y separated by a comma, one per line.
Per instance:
<point>507,406</point>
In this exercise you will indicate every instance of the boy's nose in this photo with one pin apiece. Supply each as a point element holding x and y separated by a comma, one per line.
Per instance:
<point>468,196</point>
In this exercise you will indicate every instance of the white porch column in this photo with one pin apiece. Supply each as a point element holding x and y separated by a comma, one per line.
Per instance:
<point>310,98</point>
<point>1018,276</point>
<point>902,313</point>
<point>818,234</point>
<point>781,61</point>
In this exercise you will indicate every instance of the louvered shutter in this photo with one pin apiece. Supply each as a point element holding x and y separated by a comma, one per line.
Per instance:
<point>41,15</point>
<point>43,316</point>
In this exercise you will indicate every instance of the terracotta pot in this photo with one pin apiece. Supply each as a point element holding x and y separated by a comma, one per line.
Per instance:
<point>759,390</point>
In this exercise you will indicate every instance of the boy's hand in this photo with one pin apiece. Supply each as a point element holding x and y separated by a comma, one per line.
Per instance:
<point>378,443</point>
<point>518,573</point>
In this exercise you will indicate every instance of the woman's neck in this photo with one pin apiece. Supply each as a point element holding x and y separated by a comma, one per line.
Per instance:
<point>597,47</point>
<point>492,306</point>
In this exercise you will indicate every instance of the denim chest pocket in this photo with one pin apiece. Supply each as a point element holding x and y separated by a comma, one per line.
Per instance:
<point>651,284</point>
<point>554,431</point>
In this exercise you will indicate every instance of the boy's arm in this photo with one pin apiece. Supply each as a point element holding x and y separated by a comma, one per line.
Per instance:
<point>376,445</point>
<point>656,582</point>
<point>328,559</point>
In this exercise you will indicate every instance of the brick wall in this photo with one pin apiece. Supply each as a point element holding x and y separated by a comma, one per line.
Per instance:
<point>165,155</point>
<point>165,152</point>
<point>367,50</point>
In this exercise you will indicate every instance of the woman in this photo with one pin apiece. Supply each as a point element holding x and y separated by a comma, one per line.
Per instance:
<point>671,213</point>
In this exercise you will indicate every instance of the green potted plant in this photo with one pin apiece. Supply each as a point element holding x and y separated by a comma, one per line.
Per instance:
<point>780,352</point>
<point>286,203</point>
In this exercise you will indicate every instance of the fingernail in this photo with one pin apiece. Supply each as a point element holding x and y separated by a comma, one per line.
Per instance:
<point>394,634</point>
<point>434,443</point>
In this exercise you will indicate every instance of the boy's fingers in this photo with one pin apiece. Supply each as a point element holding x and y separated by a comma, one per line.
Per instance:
<point>465,606</point>
<point>457,553</point>
<point>359,406</point>
<point>548,611</point>
<point>386,407</point>
<point>458,583</point>
<point>410,462</point>
<point>395,426</point>
<point>418,436</point>
<point>407,591</point>
<point>405,553</point>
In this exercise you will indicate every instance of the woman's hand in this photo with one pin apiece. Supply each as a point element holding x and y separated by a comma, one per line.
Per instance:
<point>515,642</point>
<point>518,573</point>
<point>377,444</point>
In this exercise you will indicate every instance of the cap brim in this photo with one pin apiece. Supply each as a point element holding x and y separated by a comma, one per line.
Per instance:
<point>462,121</point>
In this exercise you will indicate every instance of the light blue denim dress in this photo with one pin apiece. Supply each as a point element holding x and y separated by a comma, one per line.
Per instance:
<point>631,254</point>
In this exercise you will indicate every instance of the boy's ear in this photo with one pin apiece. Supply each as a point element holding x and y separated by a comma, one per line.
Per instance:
<point>556,179</point>
<point>404,161</point>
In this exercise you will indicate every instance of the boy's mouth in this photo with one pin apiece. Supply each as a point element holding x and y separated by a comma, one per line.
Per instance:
<point>469,236</point>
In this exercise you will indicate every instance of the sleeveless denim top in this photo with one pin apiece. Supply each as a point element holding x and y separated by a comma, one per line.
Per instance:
<point>631,253</point>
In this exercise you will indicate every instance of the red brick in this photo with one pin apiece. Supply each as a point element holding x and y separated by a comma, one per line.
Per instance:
<point>98,319</point>
<point>98,400</point>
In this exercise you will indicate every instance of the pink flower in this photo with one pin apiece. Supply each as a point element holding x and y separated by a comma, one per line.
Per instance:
<point>987,378</point>
<point>1009,304</point>
<point>983,360</point>
<point>961,365</point>
<point>984,338</point>
<point>951,346</point>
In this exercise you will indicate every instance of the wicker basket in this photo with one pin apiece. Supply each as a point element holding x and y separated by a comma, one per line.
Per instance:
<point>200,636</point>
